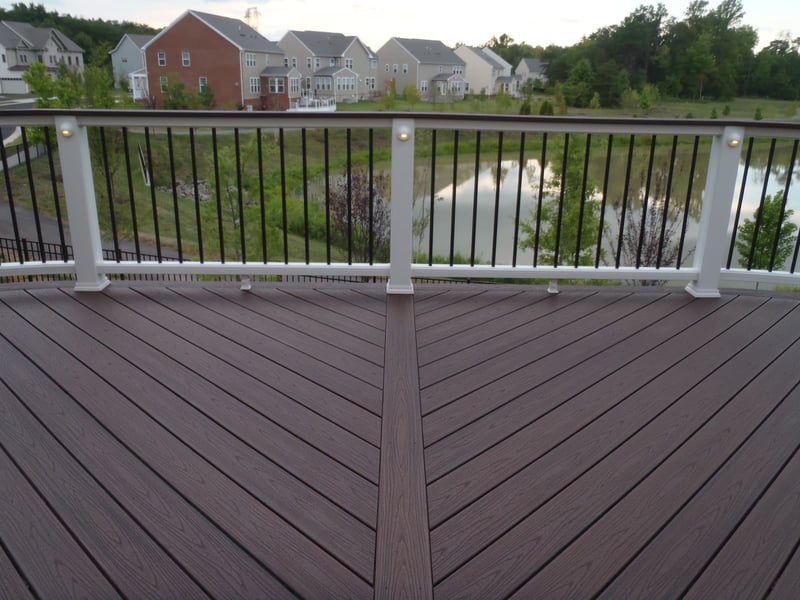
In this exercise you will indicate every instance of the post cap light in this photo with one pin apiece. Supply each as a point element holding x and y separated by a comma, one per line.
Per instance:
<point>65,129</point>
<point>403,134</point>
<point>734,141</point>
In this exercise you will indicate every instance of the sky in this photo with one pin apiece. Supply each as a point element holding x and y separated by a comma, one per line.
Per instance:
<point>563,22</point>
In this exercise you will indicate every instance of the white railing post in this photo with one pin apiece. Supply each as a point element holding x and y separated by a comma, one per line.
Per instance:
<point>401,205</point>
<point>76,170</point>
<point>712,233</point>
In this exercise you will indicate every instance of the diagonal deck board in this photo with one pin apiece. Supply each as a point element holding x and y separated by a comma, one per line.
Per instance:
<point>318,440</point>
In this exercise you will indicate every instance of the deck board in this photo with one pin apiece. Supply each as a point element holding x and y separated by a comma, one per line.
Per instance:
<point>193,440</point>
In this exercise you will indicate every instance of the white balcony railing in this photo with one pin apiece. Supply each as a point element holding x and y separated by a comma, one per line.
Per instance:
<point>715,225</point>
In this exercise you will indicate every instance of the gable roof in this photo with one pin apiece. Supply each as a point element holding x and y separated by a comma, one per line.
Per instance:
<point>486,57</point>
<point>533,64</point>
<point>236,31</point>
<point>326,43</point>
<point>14,34</point>
<point>496,57</point>
<point>429,52</point>
<point>139,40</point>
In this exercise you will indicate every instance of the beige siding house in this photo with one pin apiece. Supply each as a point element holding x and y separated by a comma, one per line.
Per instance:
<point>485,71</point>
<point>22,44</point>
<point>436,71</point>
<point>533,69</point>
<point>332,65</point>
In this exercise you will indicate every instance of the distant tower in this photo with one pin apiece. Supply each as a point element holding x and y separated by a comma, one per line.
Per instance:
<point>251,17</point>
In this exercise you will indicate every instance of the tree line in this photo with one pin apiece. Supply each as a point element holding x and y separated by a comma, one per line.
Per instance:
<point>709,53</point>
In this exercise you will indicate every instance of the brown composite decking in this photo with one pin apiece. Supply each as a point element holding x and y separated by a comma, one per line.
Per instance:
<point>188,441</point>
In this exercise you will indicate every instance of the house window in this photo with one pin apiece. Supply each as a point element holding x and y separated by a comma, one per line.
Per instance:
<point>394,68</point>
<point>322,83</point>
<point>4,58</point>
<point>331,62</point>
<point>455,87</point>
<point>387,67</point>
<point>162,83</point>
<point>52,59</point>
<point>202,84</point>
<point>124,60</point>
<point>308,62</point>
<point>40,58</point>
<point>348,63</point>
<point>458,69</point>
<point>69,60</point>
<point>405,68</point>
<point>77,60</point>
<point>373,64</point>
<point>345,84</point>
<point>23,58</point>
<point>294,62</point>
<point>255,85</point>
<point>294,86</point>
<point>423,85</point>
<point>286,62</point>
<point>162,58</point>
<point>369,82</point>
<point>186,59</point>
<point>276,85</point>
<point>250,59</point>
<point>316,62</point>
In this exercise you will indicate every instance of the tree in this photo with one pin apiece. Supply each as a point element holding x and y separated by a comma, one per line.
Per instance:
<point>360,214</point>
<point>569,229</point>
<point>756,236</point>
<point>699,63</point>
<point>578,89</point>
<point>411,95</point>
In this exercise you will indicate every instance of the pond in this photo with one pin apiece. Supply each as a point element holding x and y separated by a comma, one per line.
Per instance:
<point>480,201</point>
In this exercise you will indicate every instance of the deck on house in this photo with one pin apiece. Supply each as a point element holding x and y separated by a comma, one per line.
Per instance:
<point>194,440</point>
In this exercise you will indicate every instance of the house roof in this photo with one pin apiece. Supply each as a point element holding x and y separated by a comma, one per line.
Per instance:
<point>429,52</point>
<point>326,43</point>
<point>139,39</point>
<point>496,57</point>
<point>331,71</point>
<point>236,31</point>
<point>443,77</point>
<point>492,59</point>
<point>278,71</point>
<point>533,64</point>
<point>14,34</point>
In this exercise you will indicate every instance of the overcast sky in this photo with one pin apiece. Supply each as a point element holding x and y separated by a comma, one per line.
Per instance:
<point>562,22</point>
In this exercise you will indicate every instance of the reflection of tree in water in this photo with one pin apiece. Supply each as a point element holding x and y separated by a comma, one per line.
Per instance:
<point>652,224</point>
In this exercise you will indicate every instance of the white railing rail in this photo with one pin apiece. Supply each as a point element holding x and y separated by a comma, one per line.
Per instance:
<point>703,277</point>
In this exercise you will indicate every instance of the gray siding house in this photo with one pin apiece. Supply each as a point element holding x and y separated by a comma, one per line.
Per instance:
<point>332,65</point>
<point>435,70</point>
<point>127,62</point>
<point>22,44</point>
<point>485,72</point>
<point>531,68</point>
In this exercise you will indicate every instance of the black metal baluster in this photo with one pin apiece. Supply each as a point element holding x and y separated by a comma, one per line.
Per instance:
<point>431,212</point>
<point>584,184</point>
<point>475,198</point>
<point>540,200</point>
<point>625,201</point>
<point>196,185</point>
<point>261,198</point>
<point>646,203</point>
<point>304,149</point>
<point>239,194</point>
<point>599,250</point>
<point>327,197</point>
<point>498,177</point>
<point>740,202</point>
<point>789,174</point>
<point>519,198</point>
<point>134,222</point>
<point>153,192</point>
<point>453,207</point>
<point>349,197</point>
<point>32,187</point>
<point>667,198</point>
<point>285,223</point>
<point>175,206</point>
<point>56,199</point>
<point>12,209</point>
<point>684,228</point>
<point>561,194</point>
<point>109,192</point>
<point>760,212</point>
<point>371,198</point>
<point>218,188</point>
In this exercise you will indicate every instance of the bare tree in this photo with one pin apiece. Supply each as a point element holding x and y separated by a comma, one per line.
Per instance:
<point>360,215</point>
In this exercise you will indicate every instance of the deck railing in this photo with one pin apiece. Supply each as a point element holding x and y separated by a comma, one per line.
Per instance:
<point>404,196</point>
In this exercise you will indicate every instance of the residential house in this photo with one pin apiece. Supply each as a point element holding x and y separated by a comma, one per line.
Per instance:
<point>209,51</point>
<point>22,44</point>
<point>127,62</point>
<point>435,70</point>
<point>332,65</point>
<point>485,72</point>
<point>280,88</point>
<point>506,82</point>
<point>532,69</point>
